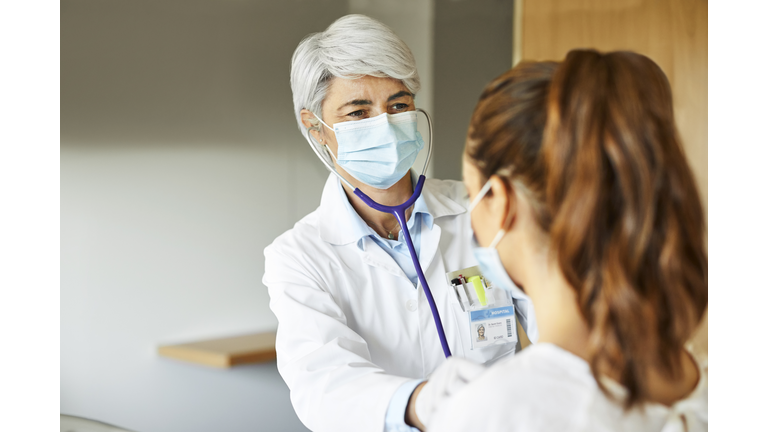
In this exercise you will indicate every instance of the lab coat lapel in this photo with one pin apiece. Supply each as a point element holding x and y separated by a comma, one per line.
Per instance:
<point>339,224</point>
<point>430,239</point>
<point>440,205</point>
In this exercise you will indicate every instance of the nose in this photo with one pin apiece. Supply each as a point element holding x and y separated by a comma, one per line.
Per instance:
<point>378,109</point>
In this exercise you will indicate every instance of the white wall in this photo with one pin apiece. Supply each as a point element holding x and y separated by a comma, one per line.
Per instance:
<point>164,245</point>
<point>180,162</point>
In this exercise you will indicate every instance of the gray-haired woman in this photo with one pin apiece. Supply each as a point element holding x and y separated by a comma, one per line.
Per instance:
<point>355,335</point>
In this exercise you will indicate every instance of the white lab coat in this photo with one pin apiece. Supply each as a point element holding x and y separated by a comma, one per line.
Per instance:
<point>352,327</point>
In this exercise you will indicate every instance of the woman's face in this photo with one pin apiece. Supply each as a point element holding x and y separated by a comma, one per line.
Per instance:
<point>357,99</point>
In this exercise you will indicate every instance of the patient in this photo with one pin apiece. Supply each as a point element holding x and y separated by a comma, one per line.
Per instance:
<point>600,223</point>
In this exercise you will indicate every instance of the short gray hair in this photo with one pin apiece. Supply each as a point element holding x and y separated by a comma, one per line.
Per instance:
<point>352,47</point>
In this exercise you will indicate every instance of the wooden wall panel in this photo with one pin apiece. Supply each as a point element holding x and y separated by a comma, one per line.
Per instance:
<point>671,32</point>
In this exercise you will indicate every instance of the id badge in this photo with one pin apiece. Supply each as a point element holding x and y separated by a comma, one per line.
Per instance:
<point>493,326</point>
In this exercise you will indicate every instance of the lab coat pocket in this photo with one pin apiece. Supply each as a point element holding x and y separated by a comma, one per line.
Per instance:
<point>478,351</point>
<point>485,316</point>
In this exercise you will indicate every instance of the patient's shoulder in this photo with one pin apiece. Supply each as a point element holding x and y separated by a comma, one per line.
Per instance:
<point>538,389</point>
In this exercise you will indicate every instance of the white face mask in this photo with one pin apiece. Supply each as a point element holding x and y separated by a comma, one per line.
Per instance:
<point>380,150</point>
<point>491,267</point>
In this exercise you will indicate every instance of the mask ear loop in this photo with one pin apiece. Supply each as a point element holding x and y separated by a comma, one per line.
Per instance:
<point>316,148</point>
<point>480,195</point>
<point>317,117</point>
<point>317,128</point>
<point>497,239</point>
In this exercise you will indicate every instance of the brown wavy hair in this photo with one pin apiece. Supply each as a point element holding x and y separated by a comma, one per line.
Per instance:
<point>610,184</point>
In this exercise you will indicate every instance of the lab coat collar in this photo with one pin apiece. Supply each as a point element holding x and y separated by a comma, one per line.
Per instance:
<point>340,224</point>
<point>441,204</point>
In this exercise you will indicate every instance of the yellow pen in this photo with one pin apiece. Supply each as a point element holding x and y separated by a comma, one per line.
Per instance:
<point>479,289</point>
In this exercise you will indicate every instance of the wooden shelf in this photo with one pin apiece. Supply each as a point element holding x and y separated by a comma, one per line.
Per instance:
<point>225,352</point>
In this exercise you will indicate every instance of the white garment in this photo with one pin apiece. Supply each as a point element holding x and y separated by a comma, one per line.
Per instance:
<point>545,388</point>
<point>352,327</point>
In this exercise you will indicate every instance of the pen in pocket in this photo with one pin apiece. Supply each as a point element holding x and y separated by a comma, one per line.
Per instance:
<point>459,290</point>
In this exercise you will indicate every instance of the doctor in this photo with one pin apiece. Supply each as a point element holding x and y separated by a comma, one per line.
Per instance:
<point>356,336</point>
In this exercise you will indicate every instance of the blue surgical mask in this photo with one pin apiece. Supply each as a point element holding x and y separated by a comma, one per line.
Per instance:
<point>380,150</point>
<point>491,267</point>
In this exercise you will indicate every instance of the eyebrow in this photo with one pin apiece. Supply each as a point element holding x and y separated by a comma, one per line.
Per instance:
<point>399,95</point>
<point>359,102</point>
<point>356,102</point>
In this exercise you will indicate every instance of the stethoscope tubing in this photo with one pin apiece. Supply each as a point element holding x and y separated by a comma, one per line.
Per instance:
<point>399,212</point>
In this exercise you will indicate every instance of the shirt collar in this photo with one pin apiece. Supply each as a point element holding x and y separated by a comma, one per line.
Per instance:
<point>340,224</point>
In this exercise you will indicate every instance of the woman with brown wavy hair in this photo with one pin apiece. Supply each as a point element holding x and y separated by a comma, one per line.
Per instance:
<point>600,223</point>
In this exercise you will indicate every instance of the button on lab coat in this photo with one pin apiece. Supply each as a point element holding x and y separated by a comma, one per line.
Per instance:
<point>352,327</point>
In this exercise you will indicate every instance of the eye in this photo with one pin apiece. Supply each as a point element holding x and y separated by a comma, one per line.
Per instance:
<point>356,114</point>
<point>400,106</point>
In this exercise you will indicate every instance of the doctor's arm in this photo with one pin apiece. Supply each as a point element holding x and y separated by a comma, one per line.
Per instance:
<point>327,366</point>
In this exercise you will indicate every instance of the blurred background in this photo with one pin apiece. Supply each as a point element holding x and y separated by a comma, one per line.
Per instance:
<point>181,160</point>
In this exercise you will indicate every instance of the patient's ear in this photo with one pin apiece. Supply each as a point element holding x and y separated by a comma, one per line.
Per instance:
<point>504,203</point>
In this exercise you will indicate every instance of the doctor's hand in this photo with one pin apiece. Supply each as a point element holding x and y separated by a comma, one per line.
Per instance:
<point>445,382</point>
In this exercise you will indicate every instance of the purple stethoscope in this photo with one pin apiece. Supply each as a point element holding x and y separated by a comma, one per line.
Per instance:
<point>399,212</point>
